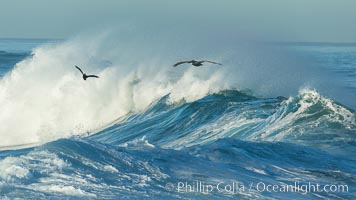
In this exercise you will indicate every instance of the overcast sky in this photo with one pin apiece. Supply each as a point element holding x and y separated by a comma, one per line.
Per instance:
<point>284,20</point>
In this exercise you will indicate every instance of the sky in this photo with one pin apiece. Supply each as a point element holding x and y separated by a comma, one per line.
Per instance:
<point>277,20</point>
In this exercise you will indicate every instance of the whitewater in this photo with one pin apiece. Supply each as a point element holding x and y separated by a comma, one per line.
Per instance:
<point>267,116</point>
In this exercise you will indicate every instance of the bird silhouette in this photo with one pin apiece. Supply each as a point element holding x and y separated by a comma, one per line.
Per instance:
<point>85,76</point>
<point>195,63</point>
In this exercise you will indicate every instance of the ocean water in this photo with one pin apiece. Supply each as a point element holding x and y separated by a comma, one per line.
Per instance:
<point>144,130</point>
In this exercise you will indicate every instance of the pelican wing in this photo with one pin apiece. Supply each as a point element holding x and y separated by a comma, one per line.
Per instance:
<point>79,69</point>
<point>212,62</point>
<point>182,62</point>
<point>94,76</point>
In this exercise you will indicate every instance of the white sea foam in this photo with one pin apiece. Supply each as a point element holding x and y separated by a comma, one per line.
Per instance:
<point>140,142</point>
<point>111,169</point>
<point>18,168</point>
<point>11,169</point>
<point>63,189</point>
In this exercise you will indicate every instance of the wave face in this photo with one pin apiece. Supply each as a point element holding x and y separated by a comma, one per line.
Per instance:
<point>145,130</point>
<point>221,138</point>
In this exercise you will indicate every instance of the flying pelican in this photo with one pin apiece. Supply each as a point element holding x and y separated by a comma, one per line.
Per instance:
<point>195,63</point>
<point>85,76</point>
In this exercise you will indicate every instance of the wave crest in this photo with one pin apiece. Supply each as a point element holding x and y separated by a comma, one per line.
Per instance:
<point>310,119</point>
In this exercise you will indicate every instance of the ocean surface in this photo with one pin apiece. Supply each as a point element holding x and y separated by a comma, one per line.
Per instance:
<point>146,130</point>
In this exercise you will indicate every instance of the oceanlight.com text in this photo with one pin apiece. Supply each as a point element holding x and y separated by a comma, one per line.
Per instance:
<point>236,187</point>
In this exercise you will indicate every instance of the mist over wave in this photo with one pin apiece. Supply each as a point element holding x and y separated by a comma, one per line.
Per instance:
<point>44,98</point>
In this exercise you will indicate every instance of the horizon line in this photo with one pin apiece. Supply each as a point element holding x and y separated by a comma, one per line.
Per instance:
<point>268,42</point>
